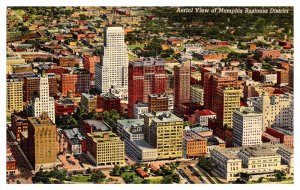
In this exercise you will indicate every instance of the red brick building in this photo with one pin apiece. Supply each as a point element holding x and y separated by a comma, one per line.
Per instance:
<point>286,137</point>
<point>69,61</point>
<point>64,107</point>
<point>108,102</point>
<point>145,77</point>
<point>78,82</point>
<point>19,124</point>
<point>212,81</point>
<point>182,77</point>
<point>32,84</point>
<point>89,62</point>
<point>11,164</point>
<point>269,53</point>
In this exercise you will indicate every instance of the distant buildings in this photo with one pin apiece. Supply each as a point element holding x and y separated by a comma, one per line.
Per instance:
<point>247,127</point>
<point>257,161</point>
<point>92,126</point>
<point>105,149</point>
<point>14,95</point>
<point>269,53</point>
<point>158,102</point>
<point>113,69</point>
<point>64,107</point>
<point>89,63</point>
<point>202,116</point>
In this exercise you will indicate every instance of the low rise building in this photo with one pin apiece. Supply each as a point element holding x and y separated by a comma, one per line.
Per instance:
<point>140,109</point>
<point>88,102</point>
<point>202,116</point>
<point>125,124</point>
<point>284,134</point>
<point>108,102</point>
<point>64,107</point>
<point>193,144</point>
<point>92,126</point>
<point>76,141</point>
<point>11,164</point>
<point>257,161</point>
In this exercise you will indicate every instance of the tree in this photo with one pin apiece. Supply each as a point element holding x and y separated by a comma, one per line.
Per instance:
<point>280,175</point>
<point>97,176</point>
<point>116,171</point>
<point>24,29</point>
<point>205,163</point>
<point>167,179</point>
<point>175,178</point>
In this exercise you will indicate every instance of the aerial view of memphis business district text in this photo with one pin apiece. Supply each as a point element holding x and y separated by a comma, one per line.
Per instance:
<point>135,95</point>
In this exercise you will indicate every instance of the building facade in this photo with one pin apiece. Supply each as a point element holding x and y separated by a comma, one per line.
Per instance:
<point>113,68</point>
<point>247,127</point>
<point>182,79</point>
<point>145,77</point>
<point>14,95</point>
<point>77,81</point>
<point>42,149</point>
<point>43,103</point>
<point>105,149</point>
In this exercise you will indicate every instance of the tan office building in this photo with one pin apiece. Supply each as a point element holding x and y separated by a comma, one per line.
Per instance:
<point>105,149</point>
<point>14,97</point>
<point>41,144</point>
<point>164,132</point>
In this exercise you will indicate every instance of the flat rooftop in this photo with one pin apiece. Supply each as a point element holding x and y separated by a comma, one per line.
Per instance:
<point>166,116</point>
<point>98,125</point>
<point>143,145</point>
<point>192,136</point>
<point>130,122</point>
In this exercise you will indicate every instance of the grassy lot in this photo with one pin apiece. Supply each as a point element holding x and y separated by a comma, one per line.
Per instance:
<point>135,46</point>
<point>155,181</point>
<point>131,178</point>
<point>132,57</point>
<point>222,49</point>
<point>80,178</point>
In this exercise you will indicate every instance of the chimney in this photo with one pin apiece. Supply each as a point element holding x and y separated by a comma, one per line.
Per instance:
<point>106,136</point>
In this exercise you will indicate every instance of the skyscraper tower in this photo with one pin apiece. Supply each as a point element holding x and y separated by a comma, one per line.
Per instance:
<point>182,86</point>
<point>112,71</point>
<point>43,103</point>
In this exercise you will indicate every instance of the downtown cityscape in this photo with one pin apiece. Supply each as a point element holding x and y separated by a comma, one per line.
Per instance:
<point>149,95</point>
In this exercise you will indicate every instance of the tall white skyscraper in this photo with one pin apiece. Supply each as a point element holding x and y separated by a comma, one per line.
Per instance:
<point>247,127</point>
<point>112,72</point>
<point>43,103</point>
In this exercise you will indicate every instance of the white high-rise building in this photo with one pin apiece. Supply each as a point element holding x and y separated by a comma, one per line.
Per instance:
<point>112,72</point>
<point>247,127</point>
<point>276,109</point>
<point>43,103</point>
